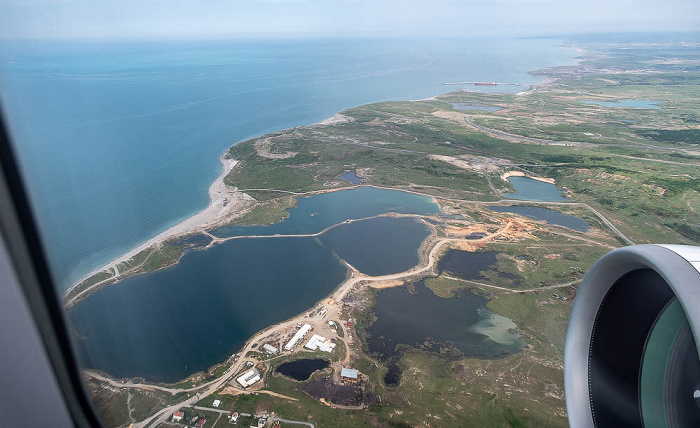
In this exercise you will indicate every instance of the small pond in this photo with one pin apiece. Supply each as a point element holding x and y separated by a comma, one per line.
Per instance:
<point>351,177</point>
<point>527,189</point>
<point>469,265</point>
<point>192,242</point>
<point>628,103</point>
<point>550,216</point>
<point>302,369</point>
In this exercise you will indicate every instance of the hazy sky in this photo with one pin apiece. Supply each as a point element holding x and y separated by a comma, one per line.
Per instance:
<point>337,18</point>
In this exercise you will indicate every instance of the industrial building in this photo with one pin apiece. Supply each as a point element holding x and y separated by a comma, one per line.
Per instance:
<point>320,342</point>
<point>299,335</point>
<point>350,375</point>
<point>270,349</point>
<point>248,378</point>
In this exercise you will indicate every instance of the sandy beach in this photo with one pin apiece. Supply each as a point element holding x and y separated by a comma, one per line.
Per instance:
<point>335,119</point>
<point>223,201</point>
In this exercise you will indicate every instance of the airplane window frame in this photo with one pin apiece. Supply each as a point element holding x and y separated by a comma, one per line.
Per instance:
<point>18,230</point>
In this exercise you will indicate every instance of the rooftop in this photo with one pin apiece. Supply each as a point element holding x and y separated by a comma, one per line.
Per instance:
<point>349,373</point>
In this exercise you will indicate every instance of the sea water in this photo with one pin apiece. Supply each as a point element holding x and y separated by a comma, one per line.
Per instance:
<point>119,141</point>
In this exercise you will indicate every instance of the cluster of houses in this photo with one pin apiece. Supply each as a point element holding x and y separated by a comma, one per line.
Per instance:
<point>196,421</point>
<point>233,418</point>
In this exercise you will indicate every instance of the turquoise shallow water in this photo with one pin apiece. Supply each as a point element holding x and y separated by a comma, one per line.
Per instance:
<point>119,141</point>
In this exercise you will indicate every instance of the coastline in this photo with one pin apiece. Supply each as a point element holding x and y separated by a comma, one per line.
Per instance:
<point>220,194</point>
<point>206,217</point>
<point>222,202</point>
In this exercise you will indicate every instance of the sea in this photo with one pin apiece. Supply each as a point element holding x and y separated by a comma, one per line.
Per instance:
<point>118,141</point>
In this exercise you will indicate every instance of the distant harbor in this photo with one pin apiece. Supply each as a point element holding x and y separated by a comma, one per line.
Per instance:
<point>494,83</point>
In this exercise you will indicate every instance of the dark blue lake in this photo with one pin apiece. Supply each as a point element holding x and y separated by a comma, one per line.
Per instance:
<point>550,216</point>
<point>168,324</point>
<point>378,246</point>
<point>527,189</point>
<point>423,320</point>
<point>315,213</point>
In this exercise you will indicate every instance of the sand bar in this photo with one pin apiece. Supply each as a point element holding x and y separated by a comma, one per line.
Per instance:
<point>223,201</point>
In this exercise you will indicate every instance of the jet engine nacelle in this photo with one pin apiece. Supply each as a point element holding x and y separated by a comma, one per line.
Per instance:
<point>631,357</point>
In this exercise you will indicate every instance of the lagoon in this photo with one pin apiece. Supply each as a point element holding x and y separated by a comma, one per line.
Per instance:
<point>314,213</point>
<point>168,324</point>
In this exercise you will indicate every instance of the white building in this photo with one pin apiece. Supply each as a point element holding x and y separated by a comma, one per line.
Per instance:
<point>216,403</point>
<point>299,335</point>
<point>270,349</point>
<point>320,342</point>
<point>349,374</point>
<point>248,378</point>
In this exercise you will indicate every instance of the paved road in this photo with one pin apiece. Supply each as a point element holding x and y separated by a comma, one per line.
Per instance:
<point>225,412</point>
<point>515,138</point>
<point>308,424</point>
<point>144,386</point>
<point>507,290</point>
